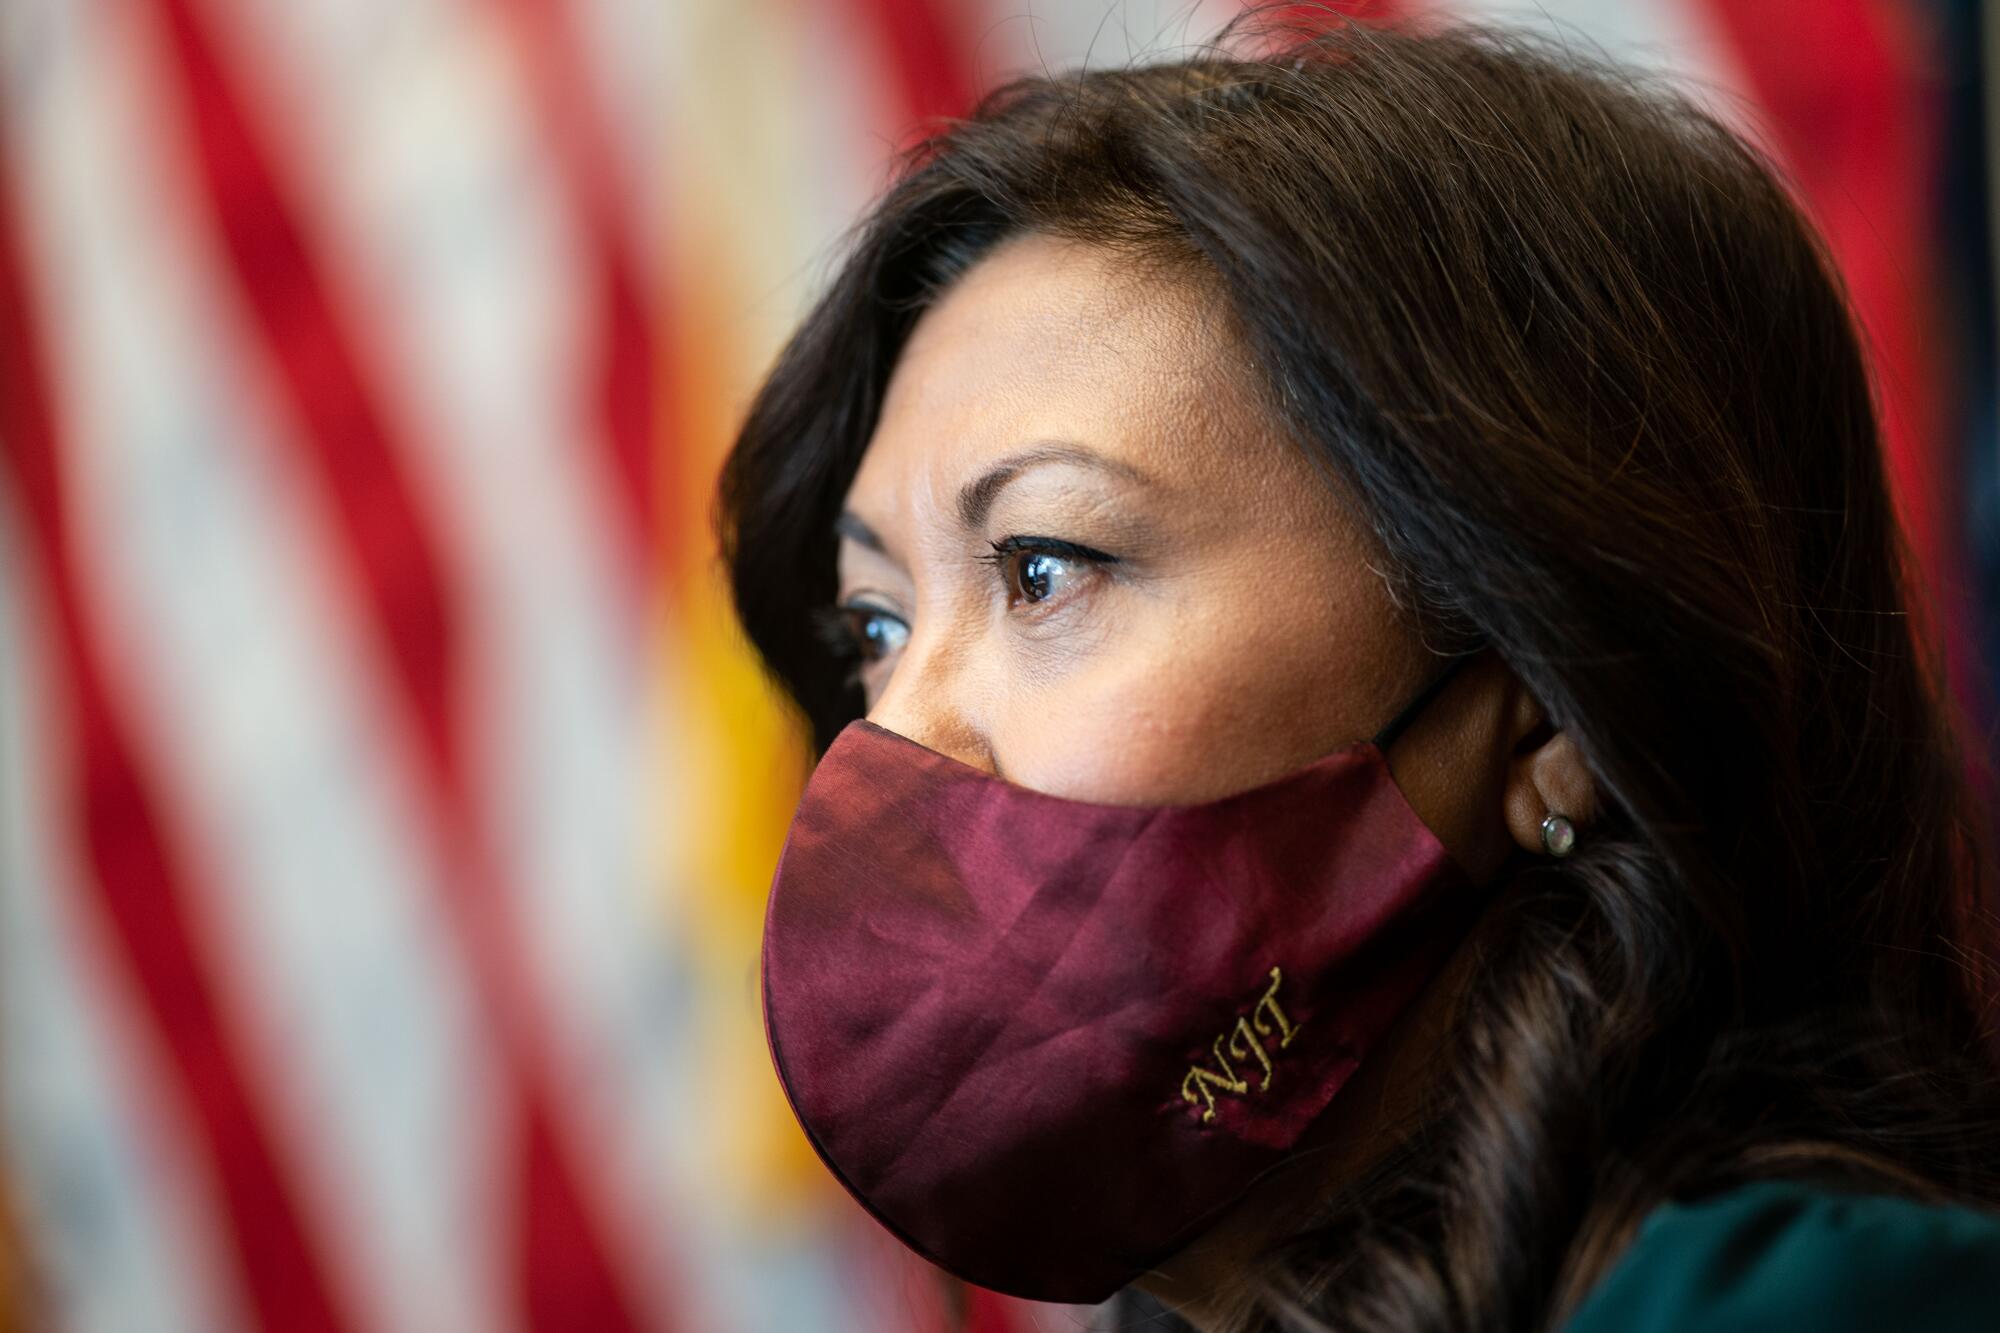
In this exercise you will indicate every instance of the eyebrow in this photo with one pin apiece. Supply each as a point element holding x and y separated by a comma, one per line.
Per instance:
<point>851,526</point>
<point>975,498</point>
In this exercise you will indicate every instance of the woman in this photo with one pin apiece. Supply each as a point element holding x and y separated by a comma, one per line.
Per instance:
<point>1402,516</point>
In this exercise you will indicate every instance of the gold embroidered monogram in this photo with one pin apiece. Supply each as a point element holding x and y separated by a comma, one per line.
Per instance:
<point>1243,1041</point>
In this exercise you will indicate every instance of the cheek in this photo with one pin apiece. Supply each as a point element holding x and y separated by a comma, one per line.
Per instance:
<point>1188,707</point>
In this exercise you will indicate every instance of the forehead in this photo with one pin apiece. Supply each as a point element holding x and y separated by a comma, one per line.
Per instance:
<point>1046,339</point>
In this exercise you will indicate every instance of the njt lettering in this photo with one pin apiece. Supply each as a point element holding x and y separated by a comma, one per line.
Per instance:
<point>1241,1042</point>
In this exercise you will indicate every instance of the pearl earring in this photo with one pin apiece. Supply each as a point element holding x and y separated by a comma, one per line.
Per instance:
<point>1558,835</point>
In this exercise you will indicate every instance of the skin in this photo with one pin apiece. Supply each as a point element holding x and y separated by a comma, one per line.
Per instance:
<point>1241,631</point>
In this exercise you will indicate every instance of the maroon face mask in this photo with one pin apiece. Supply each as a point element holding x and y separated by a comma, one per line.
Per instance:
<point>1044,1041</point>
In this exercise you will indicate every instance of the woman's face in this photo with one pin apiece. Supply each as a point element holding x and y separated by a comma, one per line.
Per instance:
<point>1080,554</point>
<point>1087,561</point>
<point>1084,558</point>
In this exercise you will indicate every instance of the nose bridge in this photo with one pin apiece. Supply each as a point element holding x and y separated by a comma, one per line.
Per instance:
<point>927,699</point>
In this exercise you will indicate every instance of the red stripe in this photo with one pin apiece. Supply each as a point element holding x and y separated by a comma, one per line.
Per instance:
<point>1324,13</point>
<point>627,351</point>
<point>929,54</point>
<point>408,603</point>
<point>990,1312</point>
<point>136,881</point>
<point>1839,82</point>
<point>565,1280</point>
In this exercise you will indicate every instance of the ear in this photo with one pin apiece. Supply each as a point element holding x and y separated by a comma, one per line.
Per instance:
<point>1546,772</point>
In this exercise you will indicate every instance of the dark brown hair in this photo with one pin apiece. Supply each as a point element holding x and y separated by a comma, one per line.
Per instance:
<point>1588,373</point>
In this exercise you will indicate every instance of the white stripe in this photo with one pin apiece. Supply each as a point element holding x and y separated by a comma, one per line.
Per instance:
<point>207,562</point>
<point>108,1180</point>
<point>796,113</point>
<point>622,44</point>
<point>444,218</point>
<point>1062,36</point>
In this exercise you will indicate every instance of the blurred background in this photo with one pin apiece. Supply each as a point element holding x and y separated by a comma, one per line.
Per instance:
<point>386,802</point>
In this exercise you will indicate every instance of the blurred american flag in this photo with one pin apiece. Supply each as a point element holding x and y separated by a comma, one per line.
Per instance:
<point>386,803</point>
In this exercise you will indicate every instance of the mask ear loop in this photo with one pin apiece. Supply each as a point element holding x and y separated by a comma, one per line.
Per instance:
<point>1387,736</point>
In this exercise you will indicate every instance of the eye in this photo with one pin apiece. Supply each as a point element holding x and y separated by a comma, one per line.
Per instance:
<point>1039,576</point>
<point>863,632</point>
<point>1039,569</point>
<point>877,633</point>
